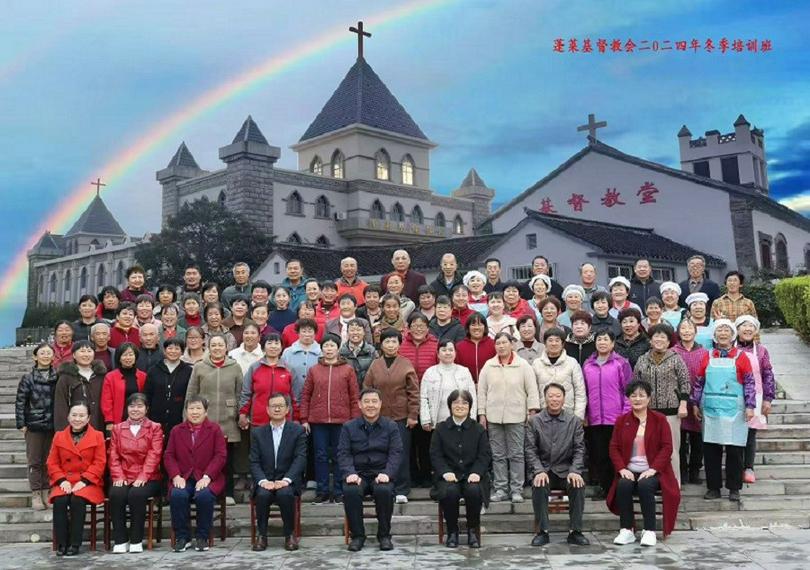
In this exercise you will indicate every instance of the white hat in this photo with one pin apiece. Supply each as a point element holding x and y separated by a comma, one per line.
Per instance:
<point>724,323</point>
<point>619,279</point>
<point>699,296</point>
<point>540,277</point>
<point>578,289</point>
<point>669,286</point>
<point>747,319</point>
<point>470,274</point>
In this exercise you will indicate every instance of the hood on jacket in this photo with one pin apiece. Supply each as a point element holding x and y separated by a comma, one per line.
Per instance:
<point>340,361</point>
<point>544,359</point>
<point>72,368</point>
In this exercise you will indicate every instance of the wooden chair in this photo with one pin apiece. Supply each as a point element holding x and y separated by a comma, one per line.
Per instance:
<point>296,520</point>
<point>441,525</point>
<point>223,530</point>
<point>94,516</point>
<point>154,509</point>
<point>557,504</point>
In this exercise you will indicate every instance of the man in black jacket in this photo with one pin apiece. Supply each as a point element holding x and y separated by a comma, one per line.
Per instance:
<point>369,454</point>
<point>696,265</point>
<point>278,458</point>
<point>642,285</point>
<point>448,276</point>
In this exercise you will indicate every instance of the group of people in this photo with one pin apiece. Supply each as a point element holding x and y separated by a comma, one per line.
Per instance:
<point>468,384</point>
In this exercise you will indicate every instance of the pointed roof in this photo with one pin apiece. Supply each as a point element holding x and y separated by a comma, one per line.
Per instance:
<point>49,244</point>
<point>684,132</point>
<point>362,97</point>
<point>183,157</point>
<point>741,121</point>
<point>249,132</point>
<point>473,179</point>
<point>96,219</point>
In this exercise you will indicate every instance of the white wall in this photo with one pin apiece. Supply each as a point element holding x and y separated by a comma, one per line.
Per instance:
<point>797,239</point>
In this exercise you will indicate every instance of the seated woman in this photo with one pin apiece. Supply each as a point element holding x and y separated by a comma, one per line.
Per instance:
<point>641,452</point>
<point>195,460</point>
<point>136,448</point>
<point>76,469</point>
<point>461,457</point>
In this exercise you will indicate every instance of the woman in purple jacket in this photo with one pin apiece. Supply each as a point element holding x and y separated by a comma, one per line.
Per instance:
<point>607,375</point>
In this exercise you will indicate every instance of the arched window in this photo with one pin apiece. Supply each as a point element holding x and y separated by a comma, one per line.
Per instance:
<point>416,215</point>
<point>337,164</point>
<point>458,225</point>
<point>382,165</point>
<point>119,273</point>
<point>95,243</point>
<point>101,276</point>
<point>295,205</point>
<point>294,238</point>
<point>221,199</point>
<point>41,284</point>
<point>83,280</point>
<point>322,241</point>
<point>439,220</point>
<point>322,207</point>
<point>316,166</point>
<point>397,213</point>
<point>52,288</point>
<point>807,257</point>
<point>407,169</point>
<point>377,211</point>
<point>765,254</point>
<point>782,264</point>
<point>66,288</point>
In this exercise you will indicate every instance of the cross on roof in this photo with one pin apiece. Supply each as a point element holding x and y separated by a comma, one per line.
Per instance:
<point>592,126</point>
<point>98,184</point>
<point>360,33</point>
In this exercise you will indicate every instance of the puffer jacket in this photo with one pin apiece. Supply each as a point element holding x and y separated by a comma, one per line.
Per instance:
<point>506,392</point>
<point>221,386</point>
<point>72,387</point>
<point>567,373</point>
<point>633,349</point>
<point>261,381</point>
<point>134,457</point>
<point>33,407</point>
<point>605,387</point>
<point>330,393</point>
<point>669,380</point>
<point>422,356</point>
<point>361,361</point>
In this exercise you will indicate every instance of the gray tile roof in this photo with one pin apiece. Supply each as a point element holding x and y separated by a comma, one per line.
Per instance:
<point>96,219</point>
<point>362,97</point>
<point>250,132</point>
<point>50,244</point>
<point>473,179</point>
<point>183,157</point>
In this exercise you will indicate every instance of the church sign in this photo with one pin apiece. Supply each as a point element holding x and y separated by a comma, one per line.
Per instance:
<point>612,197</point>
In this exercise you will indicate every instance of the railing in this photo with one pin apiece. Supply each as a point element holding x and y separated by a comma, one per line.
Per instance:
<point>389,226</point>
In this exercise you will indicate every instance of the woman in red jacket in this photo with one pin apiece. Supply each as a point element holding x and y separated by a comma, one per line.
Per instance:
<point>120,384</point>
<point>125,328</point>
<point>76,469</point>
<point>477,348</point>
<point>264,378</point>
<point>328,401</point>
<point>136,448</point>
<point>641,450</point>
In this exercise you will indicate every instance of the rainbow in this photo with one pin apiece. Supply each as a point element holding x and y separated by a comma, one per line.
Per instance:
<point>13,279</point>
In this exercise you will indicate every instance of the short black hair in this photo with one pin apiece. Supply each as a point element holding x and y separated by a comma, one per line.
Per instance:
<point>87,297</point>
<point>390,332</point>
<point>329,337</point>
<point>119,352</point>
<point>192,266</point>
<point>417,316</point>
<point>653,300</point>
<point>286,397</point>
<point>262,284</point>
<point>211,306</point>
<point>600,296</point>
<point>425,290</point>
<point>629,312</point>
<point>306,324</point>
<point>328,285</point>
<point>444,300</point>
<point>270,336</point>
<point>553,385</point>
<point>456,394</point>
<point>476,318</point>
<point>366,391</point>
<point>174,341</point>
<point>732,274</point>
<point>635,385</point>
<point>109,289</point>
<point>126,306</point>
<point>661,328</point>
<point>605,332</point>
<point>168,288</point>
<point>208,285</point>
<point>372,288</point>
<point>135,269</point>
<point>492,260</point>
<point>554,331</point>
<point>137,397</point>
<point>511,284</point>
<point>197,399</point>
<point>348,297</point>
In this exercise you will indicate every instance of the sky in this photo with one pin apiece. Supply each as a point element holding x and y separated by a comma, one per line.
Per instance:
<point>80,83</point>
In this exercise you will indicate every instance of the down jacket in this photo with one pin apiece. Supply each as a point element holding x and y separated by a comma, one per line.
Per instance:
<point>605,386</point>
<point>33,407</point>
<point>136,457</point>
<point>506,392</point>
<point>567,373</point>
<point>330,394</point>
<point>261,381</point>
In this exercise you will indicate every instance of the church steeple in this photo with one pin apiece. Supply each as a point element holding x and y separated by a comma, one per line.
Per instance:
<point>474,188</point>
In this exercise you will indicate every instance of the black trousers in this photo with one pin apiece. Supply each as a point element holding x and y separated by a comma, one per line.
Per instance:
<point>383,494</point>
<point>402,482</point>
<point>136,498</point>
<point>645,489</point>
<point>576,502</point>
<point>420,456</point>
<point>597,442</point>
<point>68,520</point>
<point>713,456</point>
<point>691,452</point>
<point>473,500</point>
<point>285,499</point>
<point>751,448</point>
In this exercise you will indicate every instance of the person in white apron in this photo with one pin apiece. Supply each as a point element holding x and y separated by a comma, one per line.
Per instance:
<point>725,393</point>
<point>747,333</point>
<point>697,303</point>
<point>670,294</point>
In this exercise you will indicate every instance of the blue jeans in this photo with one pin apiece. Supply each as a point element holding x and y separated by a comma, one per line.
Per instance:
<point>324,437</point>
<point>180,503</point>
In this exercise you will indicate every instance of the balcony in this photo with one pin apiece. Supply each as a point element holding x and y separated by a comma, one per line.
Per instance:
<point>372,231</point>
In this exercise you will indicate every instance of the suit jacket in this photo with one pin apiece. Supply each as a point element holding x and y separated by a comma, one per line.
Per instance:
<point>291,460</point>
<point>568,456</point>
<point>207,455</point>
<point>709,287</point>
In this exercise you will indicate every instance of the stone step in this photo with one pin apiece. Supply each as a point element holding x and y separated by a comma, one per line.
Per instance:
<point>11,433</point>
<point>788,418</point>
<point>749,519</point>
<point>8,397</point>
<point>783,406</point>
<point>13,457</point>
<point>782,472</point>
<point>778,444</point>
<point>15,500</point>
<point>8,420</point>
<point>13,471</point>
<point>772,458</point>
<point>14,485</point>
<point>791,431</point>
<point>12,445</point>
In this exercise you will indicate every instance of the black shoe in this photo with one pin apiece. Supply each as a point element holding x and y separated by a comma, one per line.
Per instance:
<point>577,538</point>
<point>320,499</point>
<point>712,494</point>
<point>452,540</point>
<point>261,544</point>
<point>291,544</point>
<point>598,494</point>
<point>386,544</point>
<point>61,550</point>
<point>472,538</point>
<point>734,496</point>
<point>338,499</point>
<point>181,545</point>
<point>201,545</point>
<point>540,539</point>
<point>72,551</point>
<point>356,544</point>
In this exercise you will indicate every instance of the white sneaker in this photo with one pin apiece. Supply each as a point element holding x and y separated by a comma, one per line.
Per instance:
<point>517,498</point>
<point>625,536</point>
<point>136,547</point>
<point>230,501</point>
<point>648,538</point>
<point>402,499</point>
<point>121,548</point>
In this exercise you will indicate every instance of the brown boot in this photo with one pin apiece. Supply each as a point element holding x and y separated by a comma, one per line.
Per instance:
<point>46,496</point>
<point>36,501</point>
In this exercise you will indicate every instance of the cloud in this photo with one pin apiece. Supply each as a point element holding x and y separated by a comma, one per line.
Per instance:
<point>789,173</point>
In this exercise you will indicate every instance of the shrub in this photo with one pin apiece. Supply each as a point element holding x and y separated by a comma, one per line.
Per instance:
<point>793,298</point>
<point>764,298</point>
<point>47,315</point>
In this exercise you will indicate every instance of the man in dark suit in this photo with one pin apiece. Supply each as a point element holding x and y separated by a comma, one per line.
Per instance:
<point>278,458</point>
<point>410,278</point>
<point>696,265</point>
<point>369,454</point>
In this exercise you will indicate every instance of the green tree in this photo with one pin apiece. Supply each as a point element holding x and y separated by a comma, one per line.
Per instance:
<point>205,233</point>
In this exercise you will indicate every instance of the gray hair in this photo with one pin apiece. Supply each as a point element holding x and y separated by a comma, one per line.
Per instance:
<point>96,326</point>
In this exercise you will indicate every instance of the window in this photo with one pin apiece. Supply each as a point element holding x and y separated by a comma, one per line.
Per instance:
<point>119,273</point>
<point>458,225</point>
<point>662,274</point>
<point>95,243</point>
<point>221,199</point>
<point>322,207</point>
<point>531,241</point>
<point>52,288</point>
<point>521,273</point>
<point>616,269</point>
<point>806,258</point>
<point>316,166</point>
<point>382,165</point>
<point>765,254</point>
<point>294,238</point>
<point>337,164</point>
<point>41,284</point>
<point>757,181</point>
<point>83,280</point>
<point>397,213</point>
<point>100,276</point>
<point>276,268</point>
<point>377,211</point>
<point>439,220</point>
<point>322,241</point>
<point>416,215</point>
<point>730,169</point>
<point>66,288</point>
<point>702,168</point>
<point>782,264</point>
<point>407,170</point>
<point>295,206</point>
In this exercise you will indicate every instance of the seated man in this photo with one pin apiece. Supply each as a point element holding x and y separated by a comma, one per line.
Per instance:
<point>369,453</point>
<point>555,452</point>
<point>278,458</point>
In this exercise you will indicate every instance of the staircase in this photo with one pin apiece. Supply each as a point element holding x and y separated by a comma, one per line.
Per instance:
<point>781,494</point>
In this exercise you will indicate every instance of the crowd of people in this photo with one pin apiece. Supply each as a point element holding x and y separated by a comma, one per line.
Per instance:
<point>473,386</point>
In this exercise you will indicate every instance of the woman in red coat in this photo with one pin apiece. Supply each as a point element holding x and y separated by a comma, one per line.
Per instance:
<point>120,384</point>
<point>195,463</point>
<point>76,469</point>
<point>641,451</point>
<point>477,348</point>
<point>136,447</point>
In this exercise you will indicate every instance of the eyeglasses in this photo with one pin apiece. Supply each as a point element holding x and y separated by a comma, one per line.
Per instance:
<point>277,406</point>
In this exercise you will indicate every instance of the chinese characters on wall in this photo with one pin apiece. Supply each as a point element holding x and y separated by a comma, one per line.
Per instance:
<point>612,197</point>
